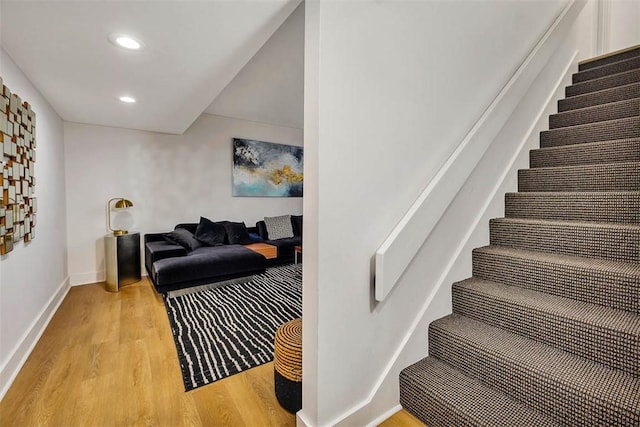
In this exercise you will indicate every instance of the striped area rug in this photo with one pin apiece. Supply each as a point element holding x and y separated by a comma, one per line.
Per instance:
<point>220,332</point>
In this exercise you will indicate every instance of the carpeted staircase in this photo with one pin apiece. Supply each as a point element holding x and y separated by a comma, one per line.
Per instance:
<point>547,331</point>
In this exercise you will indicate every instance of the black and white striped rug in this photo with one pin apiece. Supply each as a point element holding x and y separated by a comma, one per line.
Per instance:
<point>220,332</point>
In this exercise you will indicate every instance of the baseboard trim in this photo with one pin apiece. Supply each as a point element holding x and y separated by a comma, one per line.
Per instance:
<point>88,278</point>
<point>23,349</point>
<point>93,277</point>
<point>384,416</point>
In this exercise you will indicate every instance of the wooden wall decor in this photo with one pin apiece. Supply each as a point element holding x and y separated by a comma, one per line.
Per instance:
<point>18,146</point>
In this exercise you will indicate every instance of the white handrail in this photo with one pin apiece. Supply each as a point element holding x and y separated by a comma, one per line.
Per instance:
<point>406,238</point>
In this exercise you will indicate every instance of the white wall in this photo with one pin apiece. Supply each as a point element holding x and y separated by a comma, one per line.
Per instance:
<point>624,24</point>
<point>33,277</point>
<point>397,87</point>
<point>269,88</point>
<point>169,178</point>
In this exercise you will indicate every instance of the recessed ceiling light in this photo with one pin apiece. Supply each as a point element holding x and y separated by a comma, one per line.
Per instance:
<point>125,41</point>
<point>127,99</point>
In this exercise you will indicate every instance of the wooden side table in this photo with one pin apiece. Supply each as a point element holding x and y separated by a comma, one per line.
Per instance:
<point>267,250</point>
<point>122,260</point>
<point>297,251</point>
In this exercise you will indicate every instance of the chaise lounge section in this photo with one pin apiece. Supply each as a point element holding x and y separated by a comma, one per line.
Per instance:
<point>172,266</point>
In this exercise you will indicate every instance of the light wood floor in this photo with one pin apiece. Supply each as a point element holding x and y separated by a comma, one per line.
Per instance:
<point>108,359</point>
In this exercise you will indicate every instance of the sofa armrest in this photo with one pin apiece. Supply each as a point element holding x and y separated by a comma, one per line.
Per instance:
<point>153,237</point>
<point>262,230</point>
<point>157,250</point>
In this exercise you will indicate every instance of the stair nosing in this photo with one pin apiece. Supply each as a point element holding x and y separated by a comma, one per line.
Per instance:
<point>598,78</point>
<point>594,107</point>
<point>603,122</point>
<point>554,258</point>
<point>546,370</point>
<point>608,64</point>
<point>582,166</point>
<point>588,145</point>
<point>474,387</point>
<point>611,64</point>
<point>541,302</point>
<point>569,223</point>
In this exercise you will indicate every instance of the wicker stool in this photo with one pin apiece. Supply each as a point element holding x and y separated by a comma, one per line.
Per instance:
<point>287,362</point>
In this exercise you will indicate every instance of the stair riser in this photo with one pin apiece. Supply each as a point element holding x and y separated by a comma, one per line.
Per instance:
<point>617,110</point>
<point>621,243</point>
<point>613,348</point>
<point>627,150</point>
<point>606,177</point>
<point>619,290</point>
<point>546,394</point>
<point>622,208</point>
<point>606,70</point>
<point>603,83</point>
<point>607,96</point>
<point>593,132</point>
<point>630,53</point>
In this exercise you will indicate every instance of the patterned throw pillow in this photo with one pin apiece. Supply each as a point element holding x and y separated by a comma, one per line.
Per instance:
<point>278,227</point>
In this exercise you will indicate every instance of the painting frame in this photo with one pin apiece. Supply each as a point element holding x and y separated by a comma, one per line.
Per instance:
<point>266,169</point>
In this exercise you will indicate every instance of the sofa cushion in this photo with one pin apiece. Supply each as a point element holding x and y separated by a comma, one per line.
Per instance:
<point>279,227</point>
<point>237,233</point>
<point>183,238</point>
<point>210,233</point>
<point>296,221</point>
<point>207,263</point>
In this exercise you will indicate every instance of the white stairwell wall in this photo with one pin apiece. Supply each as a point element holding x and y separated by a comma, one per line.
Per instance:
<point>391,89</point>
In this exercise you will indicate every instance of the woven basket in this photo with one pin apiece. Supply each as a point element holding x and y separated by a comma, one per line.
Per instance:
<point>288,350</point>
<point>287,361</point>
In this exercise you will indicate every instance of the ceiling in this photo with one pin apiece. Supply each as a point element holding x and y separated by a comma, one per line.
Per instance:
<point>192,51</point>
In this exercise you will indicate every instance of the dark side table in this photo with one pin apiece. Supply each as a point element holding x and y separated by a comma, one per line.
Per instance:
<point>122,260</point>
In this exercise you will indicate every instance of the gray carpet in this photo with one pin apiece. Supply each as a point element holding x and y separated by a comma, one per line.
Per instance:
<point>547,331</point>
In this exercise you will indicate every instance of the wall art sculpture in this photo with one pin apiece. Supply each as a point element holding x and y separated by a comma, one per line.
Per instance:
<point>18,145</point>
<point>265,169</point>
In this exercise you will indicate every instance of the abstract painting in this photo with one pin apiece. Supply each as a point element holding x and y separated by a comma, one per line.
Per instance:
<point>265,169</point>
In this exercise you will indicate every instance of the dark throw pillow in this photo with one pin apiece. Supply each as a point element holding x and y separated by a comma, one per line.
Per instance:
<point>296,220</point>
<point>183,238</point>
<point>237,233</point>
<point>255,238</point>
<point>210,233</point>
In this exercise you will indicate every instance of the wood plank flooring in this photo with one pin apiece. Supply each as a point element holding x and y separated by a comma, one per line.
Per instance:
<point>108,359</point>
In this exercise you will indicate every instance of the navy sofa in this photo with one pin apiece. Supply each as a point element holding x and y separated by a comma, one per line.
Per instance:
<point>171,266</point>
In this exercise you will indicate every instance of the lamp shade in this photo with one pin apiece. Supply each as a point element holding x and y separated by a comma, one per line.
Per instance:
<point>123,204</point>
<point>120,204</point>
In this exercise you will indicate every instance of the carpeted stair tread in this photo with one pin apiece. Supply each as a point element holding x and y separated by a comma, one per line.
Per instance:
<point>602,334</point>
<point>606,82</point>
<point>596,113</point>
<point>628,127</point>
<point>570,389</point>
<point>440,395</point>
<point>602,177</point>
<point>605,282</point>
<point>585,239</point>
<point>605,96</point>
<point>608,59</point>
<point>606,70</point>
<point>606,206</point>
<point>621,150</point>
